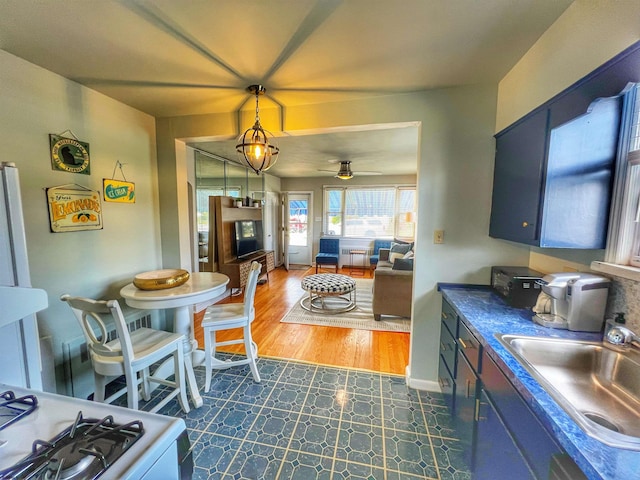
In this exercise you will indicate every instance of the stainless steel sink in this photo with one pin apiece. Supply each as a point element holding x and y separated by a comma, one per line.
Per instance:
<point>597,386</point>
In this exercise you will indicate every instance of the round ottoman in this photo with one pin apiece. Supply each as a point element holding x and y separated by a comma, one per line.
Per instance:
<point>329,293</point>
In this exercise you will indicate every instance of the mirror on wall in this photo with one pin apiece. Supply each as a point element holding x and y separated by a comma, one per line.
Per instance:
<point>218,177</point>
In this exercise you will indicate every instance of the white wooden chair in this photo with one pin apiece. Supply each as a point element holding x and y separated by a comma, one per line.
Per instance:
<point>228,316</point>
<point>129,354</point>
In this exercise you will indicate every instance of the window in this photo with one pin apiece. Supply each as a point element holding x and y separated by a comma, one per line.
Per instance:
<point>623,246</point>
<point>375,212</point>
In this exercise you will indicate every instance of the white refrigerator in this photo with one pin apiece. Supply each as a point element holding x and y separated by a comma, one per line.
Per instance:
<point>20,362</point>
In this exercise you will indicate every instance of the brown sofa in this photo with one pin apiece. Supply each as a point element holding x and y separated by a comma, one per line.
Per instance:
<point>392,289</point>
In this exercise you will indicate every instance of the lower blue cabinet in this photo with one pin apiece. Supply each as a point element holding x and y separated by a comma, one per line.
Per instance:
<point>496,455</point>
<point>465,405</point>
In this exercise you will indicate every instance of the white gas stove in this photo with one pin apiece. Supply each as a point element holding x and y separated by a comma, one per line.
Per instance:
<point>68,438</point>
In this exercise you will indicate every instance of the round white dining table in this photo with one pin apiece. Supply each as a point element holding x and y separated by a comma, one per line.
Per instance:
<point>198,292</point>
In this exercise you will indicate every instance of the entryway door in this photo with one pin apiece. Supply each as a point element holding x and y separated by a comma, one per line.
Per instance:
<point>298,235</point>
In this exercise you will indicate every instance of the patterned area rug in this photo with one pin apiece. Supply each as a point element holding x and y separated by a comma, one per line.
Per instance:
<point>360,317</point>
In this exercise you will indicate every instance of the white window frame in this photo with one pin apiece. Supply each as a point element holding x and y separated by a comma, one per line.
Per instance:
<point>622,255</point>
<point>396,210</point>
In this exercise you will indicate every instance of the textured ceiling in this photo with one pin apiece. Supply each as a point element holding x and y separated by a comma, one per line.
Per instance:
<point>179,57</point>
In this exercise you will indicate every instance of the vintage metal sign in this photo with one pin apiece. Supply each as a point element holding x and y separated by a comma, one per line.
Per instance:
<point>119,191</point>
<point>69,154</point>
<point>72,209</point>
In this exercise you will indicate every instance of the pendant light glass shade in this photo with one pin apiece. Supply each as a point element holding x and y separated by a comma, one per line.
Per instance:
<point>256,145</point>
<point>345,172</point>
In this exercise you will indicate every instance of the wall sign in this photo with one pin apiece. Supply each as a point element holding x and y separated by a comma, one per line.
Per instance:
<point>73,208</point>
<point>119,191</point>
<point>69,154</point>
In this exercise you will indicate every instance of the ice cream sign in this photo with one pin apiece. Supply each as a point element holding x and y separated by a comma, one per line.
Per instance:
<point>118,191</point>
<point>74,208</point>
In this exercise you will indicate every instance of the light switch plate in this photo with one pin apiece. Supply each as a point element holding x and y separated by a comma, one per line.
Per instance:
<point>438,236</point>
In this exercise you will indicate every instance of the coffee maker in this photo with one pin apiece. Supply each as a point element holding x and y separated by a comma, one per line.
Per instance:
<point>577,301</point>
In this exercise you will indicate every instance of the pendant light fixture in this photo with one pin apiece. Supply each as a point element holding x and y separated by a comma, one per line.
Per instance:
<point>257,145</point>
<point>345,172</point>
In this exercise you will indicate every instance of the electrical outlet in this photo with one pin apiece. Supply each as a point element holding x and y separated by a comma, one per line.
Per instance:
<point>438,236</point>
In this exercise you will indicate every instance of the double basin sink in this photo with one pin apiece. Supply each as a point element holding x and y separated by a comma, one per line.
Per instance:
<point>598,387</point>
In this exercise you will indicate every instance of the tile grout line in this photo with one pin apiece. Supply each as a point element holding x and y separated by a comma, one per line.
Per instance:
<point>248,430</point>
<point>426,424</point>
<point>206,427</point>
<point>335,448</point>
<point>384,436</point>
<point>287,449</point>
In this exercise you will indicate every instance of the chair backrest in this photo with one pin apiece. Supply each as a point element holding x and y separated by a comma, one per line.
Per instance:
<point>250,288</point>
<point>90,315</point>
<point>329,245</point>
<point>378,244</point>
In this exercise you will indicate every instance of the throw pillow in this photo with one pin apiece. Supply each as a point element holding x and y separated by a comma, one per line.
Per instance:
<point>403,264</point>
<point>409,254</point>
<point>393,256</point>
<point>400,247</point>
<point>398,250</point>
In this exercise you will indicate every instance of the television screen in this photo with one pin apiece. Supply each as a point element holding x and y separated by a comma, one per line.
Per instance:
<point>249,238</point>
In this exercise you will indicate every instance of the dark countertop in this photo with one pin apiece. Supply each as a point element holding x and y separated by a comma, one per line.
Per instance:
<point>486,314</point>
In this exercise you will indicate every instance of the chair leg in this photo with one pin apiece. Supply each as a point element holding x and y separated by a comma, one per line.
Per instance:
<point>178,359</point>
<point>145,384</point>
<point>101,385</point>
<point>252,352</point>
<point>209,350</point>
<point>132,388</point>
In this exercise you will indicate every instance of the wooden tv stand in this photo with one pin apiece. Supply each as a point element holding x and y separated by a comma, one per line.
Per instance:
<point>237,269</point>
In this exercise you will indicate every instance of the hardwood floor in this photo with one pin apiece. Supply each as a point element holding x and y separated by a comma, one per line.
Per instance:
<point>386,352</point>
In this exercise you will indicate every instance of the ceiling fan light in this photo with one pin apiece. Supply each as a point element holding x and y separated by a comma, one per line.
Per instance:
<point>345,172</point>
<point>256,145</point>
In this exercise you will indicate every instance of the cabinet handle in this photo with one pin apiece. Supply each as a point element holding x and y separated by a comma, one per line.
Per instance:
<point>525,224</point>
<point>444,346</point>
<point>464,344</point>
<point>444,315</point>
<point>444,382</point>
<point>478,406</point>
<point>468,389</point>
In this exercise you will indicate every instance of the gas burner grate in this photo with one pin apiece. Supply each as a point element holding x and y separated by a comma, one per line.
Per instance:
<point>84,451</point>
<point>13,409</point>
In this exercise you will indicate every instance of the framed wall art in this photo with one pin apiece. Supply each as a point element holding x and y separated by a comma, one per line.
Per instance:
<point>74,208</point>
<point>69,154</point>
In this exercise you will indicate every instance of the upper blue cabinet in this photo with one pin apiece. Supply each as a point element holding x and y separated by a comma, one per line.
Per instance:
<point>554,168</point>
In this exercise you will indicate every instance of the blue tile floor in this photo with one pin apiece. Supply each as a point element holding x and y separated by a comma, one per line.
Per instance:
<point>307,421</point>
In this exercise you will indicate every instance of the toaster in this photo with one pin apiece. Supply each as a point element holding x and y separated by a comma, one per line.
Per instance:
<point>519,286</point>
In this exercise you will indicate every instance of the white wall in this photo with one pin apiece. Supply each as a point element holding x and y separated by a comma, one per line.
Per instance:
<point>587,35</point>
<point>34,103</point>
<point>454,189</point>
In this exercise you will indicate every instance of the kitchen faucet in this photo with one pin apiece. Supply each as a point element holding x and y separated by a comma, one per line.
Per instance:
<point>622,337</point>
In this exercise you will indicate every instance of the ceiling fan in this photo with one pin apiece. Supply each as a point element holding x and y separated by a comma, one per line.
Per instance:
<point>345,172</point>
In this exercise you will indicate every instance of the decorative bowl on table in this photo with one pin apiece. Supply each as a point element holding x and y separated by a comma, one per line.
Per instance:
<point>161,279</point>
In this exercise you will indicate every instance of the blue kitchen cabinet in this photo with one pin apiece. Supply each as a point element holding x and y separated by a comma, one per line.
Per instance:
<point>464,411</point>
<point>499,434</point>
<point>448,349</point>
<point>496,453</point>
<point>560,154</point>
<point>518,180</point>
<point>552,188</point>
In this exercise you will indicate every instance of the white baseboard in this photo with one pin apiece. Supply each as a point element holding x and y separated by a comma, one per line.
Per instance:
<point>427,385</point>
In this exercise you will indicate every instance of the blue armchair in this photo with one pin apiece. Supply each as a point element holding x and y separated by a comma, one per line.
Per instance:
<point>329,253</point>
<point>377,245</point>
